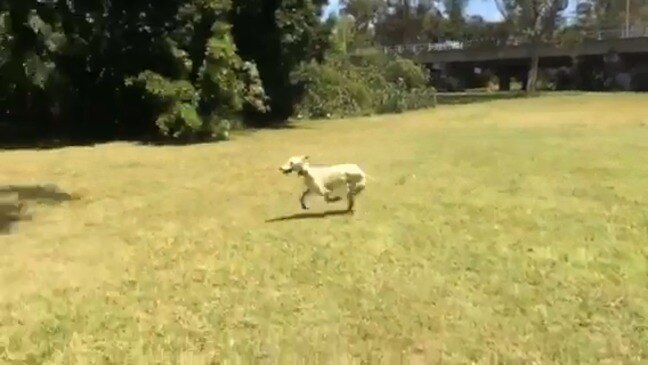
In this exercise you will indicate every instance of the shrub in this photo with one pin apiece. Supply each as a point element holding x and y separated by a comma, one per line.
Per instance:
<point>412,75</point>
<point>344,86</point>
<point>333,89</point>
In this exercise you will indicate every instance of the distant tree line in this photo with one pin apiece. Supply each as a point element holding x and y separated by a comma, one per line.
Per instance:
<point>388,22</point>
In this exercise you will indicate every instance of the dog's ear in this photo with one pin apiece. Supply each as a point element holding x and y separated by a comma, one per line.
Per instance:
<point>305,157</point>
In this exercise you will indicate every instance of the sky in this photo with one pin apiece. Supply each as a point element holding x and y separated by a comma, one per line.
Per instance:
<point>485,8</point>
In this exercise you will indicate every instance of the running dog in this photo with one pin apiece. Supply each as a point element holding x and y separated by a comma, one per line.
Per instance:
<point>323,180</point>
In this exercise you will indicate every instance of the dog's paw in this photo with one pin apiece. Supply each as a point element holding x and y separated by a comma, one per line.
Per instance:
<point>305,207</point>
<point>334,199</point>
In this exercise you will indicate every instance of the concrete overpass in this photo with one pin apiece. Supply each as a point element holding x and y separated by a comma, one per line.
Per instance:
<point>610,52</point>
<point>492,52</point>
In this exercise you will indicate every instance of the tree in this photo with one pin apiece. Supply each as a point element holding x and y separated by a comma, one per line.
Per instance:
<point>278,36</point>
<point>205,85</point>
<point>182,68</point>
<point>409,21</point>
<point>535,20</point>
<point>360,18</point>
<point>104,68</point>
<point>455,10</point>
<point>612,14</point>
<point>344,34</point>
<point>364,12</point>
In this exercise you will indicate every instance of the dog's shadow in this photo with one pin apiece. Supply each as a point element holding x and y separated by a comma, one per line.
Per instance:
<point>311,215</point>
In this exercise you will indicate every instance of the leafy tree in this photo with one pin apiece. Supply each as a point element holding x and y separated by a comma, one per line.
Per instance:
<point>358,20</point>
<point>455,9</point>
<point>344,35</point>
<point>278,36</point>
<point>611,14</point>
<point>535,20</point>
<point>28,48</point>
<point>183,68</point>
<point>205,85</point>
<point>364,12</point>
<point>410,21</point>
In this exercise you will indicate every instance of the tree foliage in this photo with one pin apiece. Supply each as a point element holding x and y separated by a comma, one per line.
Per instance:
<point>412,21</point>
<point>611,14</point>
<point>278,36</point>
<point>129,68</point>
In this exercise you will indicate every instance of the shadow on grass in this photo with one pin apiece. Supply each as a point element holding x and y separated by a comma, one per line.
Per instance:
<point>476,97</point>
<point>54,143</point>
<point>11,212</point>
<point>23,136</point>
<point>310,215</point>
<point>44,144</point>
<point>463,98</point>
<point>14,200</point>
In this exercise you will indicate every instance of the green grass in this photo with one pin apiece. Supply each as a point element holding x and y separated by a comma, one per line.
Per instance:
<point>504,232</point>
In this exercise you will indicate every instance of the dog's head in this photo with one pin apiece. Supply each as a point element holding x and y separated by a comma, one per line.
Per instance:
<point>294,164</point>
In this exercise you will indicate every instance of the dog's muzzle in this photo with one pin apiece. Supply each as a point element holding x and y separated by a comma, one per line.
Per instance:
<point>285,171</point>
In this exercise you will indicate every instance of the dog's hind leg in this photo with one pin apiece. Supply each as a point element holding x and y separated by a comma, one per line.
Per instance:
<point>352,192</point>
<point>358,188</point>
<point>350,201</point>
<point>350,196</point>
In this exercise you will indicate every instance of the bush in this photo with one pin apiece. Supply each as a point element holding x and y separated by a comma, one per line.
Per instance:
<point>343,86</point>
<point>333,89</point>
<point>412,75</point>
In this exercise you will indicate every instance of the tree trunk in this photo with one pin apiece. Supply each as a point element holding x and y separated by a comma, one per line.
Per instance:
<point>533,70</point>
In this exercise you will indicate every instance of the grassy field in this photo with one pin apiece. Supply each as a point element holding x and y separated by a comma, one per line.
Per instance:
<point>502,232</point>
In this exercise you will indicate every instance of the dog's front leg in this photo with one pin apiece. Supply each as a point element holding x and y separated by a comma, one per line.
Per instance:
<point>302,199</point>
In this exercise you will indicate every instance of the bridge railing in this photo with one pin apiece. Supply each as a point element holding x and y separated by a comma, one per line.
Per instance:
<point>483,43</point>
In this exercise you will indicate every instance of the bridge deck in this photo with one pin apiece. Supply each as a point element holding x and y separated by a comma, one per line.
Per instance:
<point>485,54</point>
<point>594,43</point>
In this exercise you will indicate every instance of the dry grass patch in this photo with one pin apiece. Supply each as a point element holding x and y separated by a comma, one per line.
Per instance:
<point>511,231</point>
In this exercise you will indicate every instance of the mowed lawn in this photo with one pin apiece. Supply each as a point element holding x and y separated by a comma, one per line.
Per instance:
<point>501,232</point>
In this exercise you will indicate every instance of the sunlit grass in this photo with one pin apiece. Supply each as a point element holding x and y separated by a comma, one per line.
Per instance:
<point>509,231</point>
